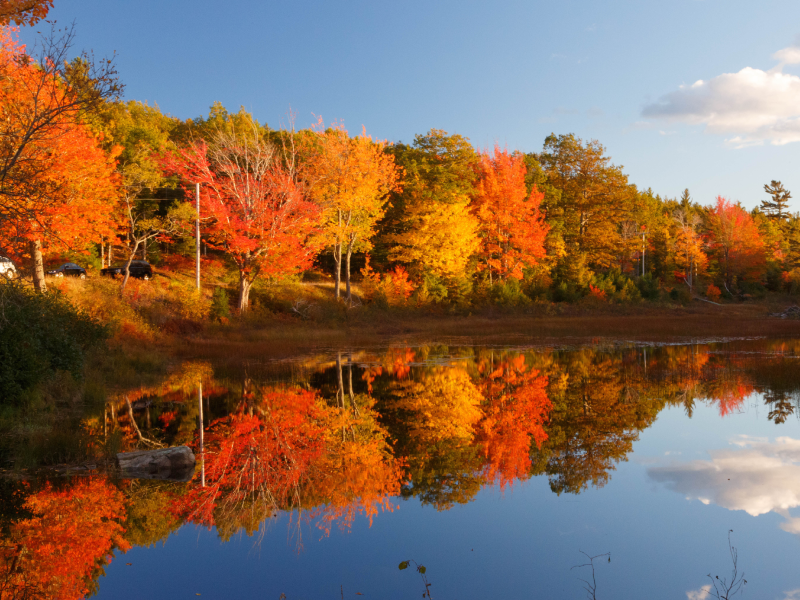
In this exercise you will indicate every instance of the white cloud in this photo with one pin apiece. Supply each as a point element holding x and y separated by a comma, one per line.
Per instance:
<point>753,106</point>
<point>792,594</point>
<point>757,477</point>
<point>788,56</point>
<point>699,594</point>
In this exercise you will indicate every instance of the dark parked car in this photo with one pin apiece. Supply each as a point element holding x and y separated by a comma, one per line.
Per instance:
<point>70,270</point>
<point>138,268</point>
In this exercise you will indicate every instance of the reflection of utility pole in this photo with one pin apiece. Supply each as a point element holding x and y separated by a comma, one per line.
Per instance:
<point>197,232</point>
<point>200,428</point>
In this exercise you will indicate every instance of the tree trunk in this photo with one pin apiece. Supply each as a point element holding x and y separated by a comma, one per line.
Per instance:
<point>38,266</point>
<point>340,389</point>
<point>144,250</point>
<point>347,273</point>
<point>128,267</point>
<point>337,257</point>
<point>244,293</point>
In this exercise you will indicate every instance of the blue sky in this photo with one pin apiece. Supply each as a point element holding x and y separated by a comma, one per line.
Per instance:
<point>509,72</point>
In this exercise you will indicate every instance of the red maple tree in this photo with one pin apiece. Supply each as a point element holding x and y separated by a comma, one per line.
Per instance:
<point>257,211</point>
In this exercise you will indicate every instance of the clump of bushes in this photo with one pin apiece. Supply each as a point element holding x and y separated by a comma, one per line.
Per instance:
<point>41,335</point>
<point>615,286</point>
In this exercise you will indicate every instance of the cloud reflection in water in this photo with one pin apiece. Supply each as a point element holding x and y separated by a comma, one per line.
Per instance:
<point>757,477</point>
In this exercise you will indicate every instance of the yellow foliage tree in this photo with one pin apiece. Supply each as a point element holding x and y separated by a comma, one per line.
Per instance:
<point>350,179</point>
<point>441,238</point>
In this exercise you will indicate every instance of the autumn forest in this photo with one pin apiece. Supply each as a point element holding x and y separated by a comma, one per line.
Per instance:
<point>333,327</point>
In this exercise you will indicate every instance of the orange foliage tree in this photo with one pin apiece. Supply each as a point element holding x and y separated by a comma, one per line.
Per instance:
<point>259,214</point>
<point>60,550</point>
<point>24,12</point>
<point>690,256</point>
<point>735,242</point>
<point>512,229</point>
<point>49,163</point>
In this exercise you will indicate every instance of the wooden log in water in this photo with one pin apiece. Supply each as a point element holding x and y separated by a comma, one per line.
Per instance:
<point>176,464</point>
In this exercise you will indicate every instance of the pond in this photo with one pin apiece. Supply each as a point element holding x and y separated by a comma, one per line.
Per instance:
<point>507,472</point>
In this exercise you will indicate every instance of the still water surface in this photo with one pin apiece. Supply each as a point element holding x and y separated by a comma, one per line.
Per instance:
<point>493,467</point>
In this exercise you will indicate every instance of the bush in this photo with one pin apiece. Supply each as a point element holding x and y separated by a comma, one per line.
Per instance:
<point>40,335</point>
<point>648,287</point>
<point>509,293</point>
<point>220,306</point>
<point>616,286</point>
<point>753,289</point>
<point>681,295</point>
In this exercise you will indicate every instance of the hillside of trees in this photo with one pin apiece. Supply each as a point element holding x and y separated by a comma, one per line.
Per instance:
<point>86,176</point>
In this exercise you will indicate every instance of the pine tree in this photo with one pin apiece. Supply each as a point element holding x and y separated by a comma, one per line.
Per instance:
<point>777,207</point>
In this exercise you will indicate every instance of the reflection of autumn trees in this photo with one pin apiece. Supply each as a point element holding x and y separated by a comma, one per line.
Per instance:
<point>433,416</point>
<point>516,408</point>
<point>598,411</point>
<point>462,428</point>
<point>287,450</point>
<point>60,550</point>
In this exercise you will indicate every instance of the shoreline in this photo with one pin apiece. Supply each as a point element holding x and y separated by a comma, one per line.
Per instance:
<point>575,326</point>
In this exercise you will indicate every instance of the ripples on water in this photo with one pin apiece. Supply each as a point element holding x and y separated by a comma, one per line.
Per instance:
<point>493,467</point>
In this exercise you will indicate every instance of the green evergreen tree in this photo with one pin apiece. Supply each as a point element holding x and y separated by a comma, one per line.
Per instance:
<point>777,207</point>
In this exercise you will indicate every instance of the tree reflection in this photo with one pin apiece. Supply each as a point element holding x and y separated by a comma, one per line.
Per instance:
<point>286,449</point>
<point>60,550</point>
<point>516,408</point>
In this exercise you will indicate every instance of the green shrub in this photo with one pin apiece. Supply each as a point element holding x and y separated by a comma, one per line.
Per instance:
<point>509,293</point>
<point>41,334</point>
<point>680,294</point>
<point>753,289</point>
<point>617,286</point>
<point>220,305</point>
<point>648,287</point>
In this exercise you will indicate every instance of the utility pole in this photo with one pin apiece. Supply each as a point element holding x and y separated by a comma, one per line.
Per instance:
<point>643,250</point>
<point>197,232</point>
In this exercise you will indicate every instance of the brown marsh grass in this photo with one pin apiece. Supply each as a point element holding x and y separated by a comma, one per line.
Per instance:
<point>551,325</point>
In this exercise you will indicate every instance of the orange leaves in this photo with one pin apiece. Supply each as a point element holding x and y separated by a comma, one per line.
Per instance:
<point>735,242</point>
<point>58,183</point>
<point>350,178</point>
<point>512,229</point>
<point>24,12</point>
<point>515,412</point>
<point>394,287</point>
<point>72,532</point>
<point>258,213</point>
<point>597,293</point>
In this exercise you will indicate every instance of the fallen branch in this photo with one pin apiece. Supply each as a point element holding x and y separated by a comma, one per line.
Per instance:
<point>136,427</point>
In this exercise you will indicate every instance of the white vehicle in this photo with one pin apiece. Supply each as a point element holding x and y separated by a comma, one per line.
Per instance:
<point>7,268</point>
